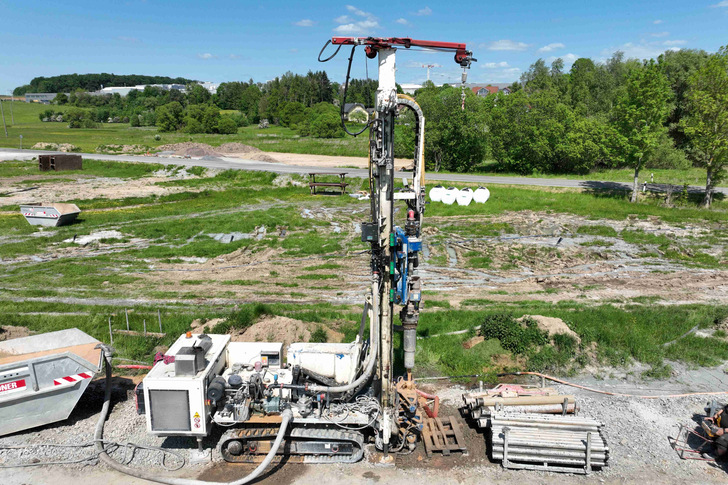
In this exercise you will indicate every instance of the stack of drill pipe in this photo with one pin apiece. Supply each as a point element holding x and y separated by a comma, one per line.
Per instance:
<point>484,405</point>
<point>555,441</point>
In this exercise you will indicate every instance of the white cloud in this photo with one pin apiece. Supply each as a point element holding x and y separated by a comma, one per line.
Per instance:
<point>568,58</point>
<point>206,55</point>
<point>724,3</point>
<point>675,42</point>
<point>551,47</point>
<point>424,11</point>
<point>657,22</point>
<point>351,26</point>
<point>644,50</point>
<point>234,56</point>
<point>494,65</point>
<point>362,27</point>
<point>660,34</point>
<point>358,12</point>
<point>402,21</point>
<point>305,23</point>
<point>506,45</point>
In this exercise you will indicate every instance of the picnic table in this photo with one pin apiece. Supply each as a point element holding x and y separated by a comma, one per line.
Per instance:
<point>312,184</point>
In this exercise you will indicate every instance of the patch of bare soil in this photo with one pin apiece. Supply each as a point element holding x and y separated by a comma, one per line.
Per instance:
<point>83,188</point>
<point>235,150</point>
<point>330,161</point>
<point>197,325</point>
<point>281,329</point>
<point>9,332</point>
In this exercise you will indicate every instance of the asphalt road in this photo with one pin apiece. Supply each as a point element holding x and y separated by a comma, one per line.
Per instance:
<point>254,165</point>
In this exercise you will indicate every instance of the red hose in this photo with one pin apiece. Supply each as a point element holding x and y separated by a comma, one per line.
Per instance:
<point>430,412</point>
<point>133,366</point>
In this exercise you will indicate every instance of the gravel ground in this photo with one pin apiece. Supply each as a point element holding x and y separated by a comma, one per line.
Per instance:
<point>637,429</point>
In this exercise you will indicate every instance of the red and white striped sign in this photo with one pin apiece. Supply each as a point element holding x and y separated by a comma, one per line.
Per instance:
<point>12,386</point>
<point>68,380</point>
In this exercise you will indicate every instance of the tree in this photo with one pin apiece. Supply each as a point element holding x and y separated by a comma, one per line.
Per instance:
<point>679,66</point>
<point>60,99</point>
<point>226,126</point>
<point>640,115</point>
<point>169,116</point>
<point>706,125</point>
<point>196,94</point>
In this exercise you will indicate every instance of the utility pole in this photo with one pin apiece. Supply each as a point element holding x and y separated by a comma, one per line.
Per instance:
<point>3,115</point>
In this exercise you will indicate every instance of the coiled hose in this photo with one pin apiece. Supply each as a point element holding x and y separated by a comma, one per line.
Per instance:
<point>286,416</point>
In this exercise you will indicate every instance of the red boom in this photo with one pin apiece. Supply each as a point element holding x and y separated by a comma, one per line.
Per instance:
<point>373,44</point>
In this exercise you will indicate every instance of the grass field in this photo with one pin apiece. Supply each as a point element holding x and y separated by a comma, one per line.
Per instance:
<point>274,139</point>
<point>309,257</point>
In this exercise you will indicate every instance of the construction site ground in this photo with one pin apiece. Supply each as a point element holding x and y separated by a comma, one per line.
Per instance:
<point>644,288</point>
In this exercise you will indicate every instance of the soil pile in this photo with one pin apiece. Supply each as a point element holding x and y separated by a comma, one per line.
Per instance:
<point>552,325</point>
<point>281,329</point>
<point>57,147</point>
<point>234,149</point>
<point>9,332</point>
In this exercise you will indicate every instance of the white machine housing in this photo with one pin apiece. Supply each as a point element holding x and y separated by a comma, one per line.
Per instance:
<point>178,405</point>
<point>337,361</point>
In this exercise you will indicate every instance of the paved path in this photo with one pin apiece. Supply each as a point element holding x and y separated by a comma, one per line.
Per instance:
<point>242,164</point>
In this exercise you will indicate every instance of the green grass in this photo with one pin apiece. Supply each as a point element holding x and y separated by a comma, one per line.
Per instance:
<point>594,205</point>
<point>275,138</point>
<point>692,176</point>
<point>605,231</point>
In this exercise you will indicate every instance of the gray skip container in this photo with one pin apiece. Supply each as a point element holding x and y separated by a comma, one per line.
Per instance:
<point>50,214</point>
<point>42,377</point>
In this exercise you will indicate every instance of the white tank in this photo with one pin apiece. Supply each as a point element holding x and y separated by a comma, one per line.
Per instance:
<point>436,193</point>
<point>481,195</point>
<point>465,196</point>
<point>449,195</point>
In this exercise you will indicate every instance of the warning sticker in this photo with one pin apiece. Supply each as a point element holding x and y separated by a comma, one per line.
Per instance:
<point>13,386</point>
<point>197,415</point>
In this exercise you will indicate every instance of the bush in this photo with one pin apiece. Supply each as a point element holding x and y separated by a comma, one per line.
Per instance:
<point>227,126</point>
<point>240,119</point>
<point>665,155</point>
<point>319,336</point>
<point>516,337</point>
<point>192,125</point>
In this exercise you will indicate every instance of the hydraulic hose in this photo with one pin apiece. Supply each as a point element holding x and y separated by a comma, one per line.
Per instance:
<point>286,416</point>
<point>360,380</point>
<point>608,393</point>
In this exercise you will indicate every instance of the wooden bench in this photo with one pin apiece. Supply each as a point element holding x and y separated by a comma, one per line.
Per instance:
<point>312,184</point>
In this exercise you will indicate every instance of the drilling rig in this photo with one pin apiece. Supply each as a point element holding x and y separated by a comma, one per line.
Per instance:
<point>325,400</point>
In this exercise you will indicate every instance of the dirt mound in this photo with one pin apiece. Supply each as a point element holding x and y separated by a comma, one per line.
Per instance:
<point>115,149</point>
<point>58,147</point>
<point>198,326</point>
<point>553,326</point>
<point>281,329</point>
<point>190,149</point>
<point>9,332</point>
<point>234,149</point>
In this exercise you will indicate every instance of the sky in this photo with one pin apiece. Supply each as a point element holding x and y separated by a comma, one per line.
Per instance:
<point>238,40</point>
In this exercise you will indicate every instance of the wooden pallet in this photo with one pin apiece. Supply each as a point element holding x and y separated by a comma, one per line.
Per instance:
<point>443,435</point>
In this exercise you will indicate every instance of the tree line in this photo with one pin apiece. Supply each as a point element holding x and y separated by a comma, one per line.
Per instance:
<point>671,112</point>
<point>67,83</point>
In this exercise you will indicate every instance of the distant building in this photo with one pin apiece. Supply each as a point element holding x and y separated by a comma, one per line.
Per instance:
<point>410,88</point>
<point>211,87</point>
<point>485,91</point>
<point>353,109</point>
<point>43,98</point>
<point>124,90</point>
